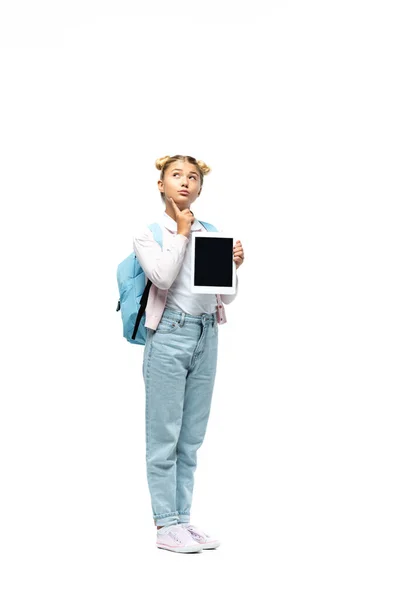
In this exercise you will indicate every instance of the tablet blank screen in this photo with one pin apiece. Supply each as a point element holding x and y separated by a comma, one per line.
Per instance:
<point>213,261</point>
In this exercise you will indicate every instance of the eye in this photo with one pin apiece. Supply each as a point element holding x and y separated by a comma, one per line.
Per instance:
<point>194,177</point>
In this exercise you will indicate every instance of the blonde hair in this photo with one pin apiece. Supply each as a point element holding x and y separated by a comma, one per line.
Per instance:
<point>163,163</point>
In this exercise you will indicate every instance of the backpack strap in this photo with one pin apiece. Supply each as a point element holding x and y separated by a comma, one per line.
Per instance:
<point>208,226</point>
<point>157,233</point>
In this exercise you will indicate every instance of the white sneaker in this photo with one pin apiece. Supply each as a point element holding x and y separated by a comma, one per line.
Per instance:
<point>205,541</point>
<point>177,539</point>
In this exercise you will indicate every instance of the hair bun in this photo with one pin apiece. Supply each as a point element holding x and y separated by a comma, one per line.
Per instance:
<point>160,162</point>
<point>203,167</point>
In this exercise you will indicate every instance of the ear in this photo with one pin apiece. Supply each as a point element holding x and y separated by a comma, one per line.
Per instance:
<point>199,192</point>
<point>160,185</point>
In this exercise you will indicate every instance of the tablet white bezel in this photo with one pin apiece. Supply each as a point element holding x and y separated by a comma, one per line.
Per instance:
<point>211,289</point>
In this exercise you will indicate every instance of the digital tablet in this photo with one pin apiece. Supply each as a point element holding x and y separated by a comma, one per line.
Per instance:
<point>213,269</point>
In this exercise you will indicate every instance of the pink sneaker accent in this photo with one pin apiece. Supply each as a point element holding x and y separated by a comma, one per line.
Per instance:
<point>200,536</point>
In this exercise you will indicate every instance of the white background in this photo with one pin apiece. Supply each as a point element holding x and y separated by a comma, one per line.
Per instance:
<point>295,106</point>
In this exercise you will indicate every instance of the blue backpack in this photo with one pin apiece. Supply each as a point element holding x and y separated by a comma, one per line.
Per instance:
<point>134,292</point>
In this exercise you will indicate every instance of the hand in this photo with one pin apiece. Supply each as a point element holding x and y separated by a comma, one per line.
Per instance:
<point>184,218</point>
<point>238,255</point>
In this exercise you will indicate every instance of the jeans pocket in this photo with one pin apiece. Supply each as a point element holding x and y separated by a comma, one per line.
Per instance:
<point>167,325</point>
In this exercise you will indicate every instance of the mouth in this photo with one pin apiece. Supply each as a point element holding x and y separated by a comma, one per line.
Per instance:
<point>184,193</point>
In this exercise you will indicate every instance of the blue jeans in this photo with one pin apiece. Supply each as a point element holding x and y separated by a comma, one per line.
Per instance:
<point>179,367</point>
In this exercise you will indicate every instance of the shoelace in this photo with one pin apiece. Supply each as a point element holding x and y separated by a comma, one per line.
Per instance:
<point>193,531</point>
<point>173,534</point>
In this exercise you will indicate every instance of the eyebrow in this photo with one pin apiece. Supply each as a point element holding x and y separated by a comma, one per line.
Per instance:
<point>194,172</point>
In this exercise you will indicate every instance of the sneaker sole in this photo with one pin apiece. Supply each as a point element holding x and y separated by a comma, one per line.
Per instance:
<point>210,545</point>
<point>184,549</point>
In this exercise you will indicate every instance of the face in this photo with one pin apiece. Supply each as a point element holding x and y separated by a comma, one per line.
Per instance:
<point>181,182</point>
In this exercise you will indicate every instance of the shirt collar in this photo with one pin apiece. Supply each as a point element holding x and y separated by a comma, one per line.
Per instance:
<point>172,225</point>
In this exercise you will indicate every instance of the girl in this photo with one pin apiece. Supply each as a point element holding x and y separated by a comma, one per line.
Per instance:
<point>180,356</point>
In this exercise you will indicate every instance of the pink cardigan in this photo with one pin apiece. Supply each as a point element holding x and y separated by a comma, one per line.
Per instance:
<point>158,297</point>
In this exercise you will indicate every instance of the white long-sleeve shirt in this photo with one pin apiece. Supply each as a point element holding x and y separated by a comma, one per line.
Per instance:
<point>169,268</point>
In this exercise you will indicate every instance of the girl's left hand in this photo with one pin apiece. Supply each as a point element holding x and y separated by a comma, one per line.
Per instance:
<point>238,255</point>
